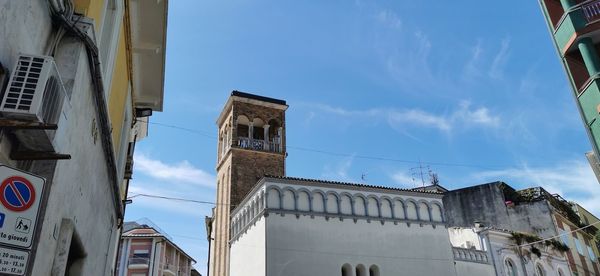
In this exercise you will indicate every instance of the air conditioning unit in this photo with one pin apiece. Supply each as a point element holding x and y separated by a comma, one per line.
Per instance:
<point>35,93</point>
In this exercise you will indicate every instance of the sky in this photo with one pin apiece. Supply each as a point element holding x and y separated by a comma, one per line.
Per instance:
<point>471,90</point>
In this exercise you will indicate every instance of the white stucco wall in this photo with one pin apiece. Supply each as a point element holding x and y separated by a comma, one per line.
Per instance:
<point>472,269</point>
<point>316,246</point>
<point>316,228</point>
<point>461,237</point>
<point>248,254</point>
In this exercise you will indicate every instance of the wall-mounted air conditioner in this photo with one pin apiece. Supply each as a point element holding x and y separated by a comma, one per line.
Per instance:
<point>35,93</point>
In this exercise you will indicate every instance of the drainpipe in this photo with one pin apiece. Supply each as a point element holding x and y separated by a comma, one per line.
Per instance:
<point>491,252</point>
<point>154,255</point>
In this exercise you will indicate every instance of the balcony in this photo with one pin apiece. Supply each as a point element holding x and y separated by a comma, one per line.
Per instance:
<point>469,255</point>
<point>260,145</point>
<point>169,269</point>
<point>138,263</point>
<point>591,10</point>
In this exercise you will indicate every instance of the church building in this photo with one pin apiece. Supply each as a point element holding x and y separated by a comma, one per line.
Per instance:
<point>266,223</point>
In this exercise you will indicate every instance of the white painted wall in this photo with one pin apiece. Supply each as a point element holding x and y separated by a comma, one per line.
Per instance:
<point>319,242</point>
<point>471,269</point>
<point>461,237</point>
<point>248,255</point>
<point>299,246</point>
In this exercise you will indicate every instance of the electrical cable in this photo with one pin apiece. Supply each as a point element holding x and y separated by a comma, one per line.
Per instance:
<point>176,199</point>
<point>338,154</point>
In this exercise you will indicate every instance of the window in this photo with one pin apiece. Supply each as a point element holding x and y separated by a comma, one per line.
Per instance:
<point>361,270</point>
<point>374,270</point>
<point>509,266</point>
<point>564,237</point>
<point>539,270</point>
<point>346,270</point>
<point>560,272</point>
<point>591,253</point>
<point>579,247</point>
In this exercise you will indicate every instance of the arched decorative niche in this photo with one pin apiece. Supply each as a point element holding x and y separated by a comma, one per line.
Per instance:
<point>346,204</point>
<point>303,200</point>
<point>386,208</point>
<point>399,209</point>
<point>360,208</point>
<point>424,211</point>
<point>332,203</point>
<point>289,199</point>
<point>318,201</point>
<point>273,198</point>
<point>373,206</point>
<point>411,210</point>
<point>437,213</point>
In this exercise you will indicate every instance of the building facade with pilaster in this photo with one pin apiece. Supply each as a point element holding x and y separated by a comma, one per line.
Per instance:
<point>78,80</point>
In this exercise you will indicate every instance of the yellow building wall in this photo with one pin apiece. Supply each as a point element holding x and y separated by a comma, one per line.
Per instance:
<point>118,92</point>
<point>91,8</point>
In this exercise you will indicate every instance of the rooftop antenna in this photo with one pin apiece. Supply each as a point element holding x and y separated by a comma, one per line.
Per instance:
<point>417,172</point>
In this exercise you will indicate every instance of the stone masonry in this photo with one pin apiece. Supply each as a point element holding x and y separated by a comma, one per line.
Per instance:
<point>239,168</point>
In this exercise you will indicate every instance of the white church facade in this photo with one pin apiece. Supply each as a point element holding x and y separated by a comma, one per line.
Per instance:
<point>293,227</point>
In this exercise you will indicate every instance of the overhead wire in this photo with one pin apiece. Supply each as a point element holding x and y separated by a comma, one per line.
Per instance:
<point>559,235</point>
<point>173,198</point>
<point>339,154</point>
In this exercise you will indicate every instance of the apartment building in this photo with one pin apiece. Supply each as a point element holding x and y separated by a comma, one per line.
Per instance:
<point>78,80</point>
<point>574,26</point>
<point>146,250</point>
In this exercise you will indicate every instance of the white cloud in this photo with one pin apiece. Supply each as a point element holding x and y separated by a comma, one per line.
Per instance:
<point>573,180</point>
<point>390,19</point>
<point>472,67</point>
<point>403,180</point>
<point>399,119</point>
<point>182,171</point>
<point>339,171</point>
<point>497,67</point>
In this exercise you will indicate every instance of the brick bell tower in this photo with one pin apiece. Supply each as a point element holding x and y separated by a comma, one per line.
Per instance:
<point>251,145</point>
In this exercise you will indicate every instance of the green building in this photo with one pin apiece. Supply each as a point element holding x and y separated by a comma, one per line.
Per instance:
<point>575,29</point>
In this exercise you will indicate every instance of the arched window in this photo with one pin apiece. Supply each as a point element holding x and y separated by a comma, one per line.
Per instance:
<point>347,270</point>
<point>539,270</point>
<point>243,130</point>
<point>510,267</point>
<point>560,272</point>
<point>258,130</point>
<point>373,270</point>
<point>361,270</point>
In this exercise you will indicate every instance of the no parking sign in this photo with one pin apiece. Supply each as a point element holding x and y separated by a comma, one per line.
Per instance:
<point>20,194</point>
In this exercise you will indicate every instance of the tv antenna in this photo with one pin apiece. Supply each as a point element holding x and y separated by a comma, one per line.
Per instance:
<point>419,174</point>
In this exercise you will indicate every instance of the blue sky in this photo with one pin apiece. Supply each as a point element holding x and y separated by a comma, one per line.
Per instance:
<point>452,83</point>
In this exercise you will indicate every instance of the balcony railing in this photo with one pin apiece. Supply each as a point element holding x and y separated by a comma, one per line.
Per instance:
<point>469,255</point>
<point>255,144</point>
<point>591,11</point>
<point>138,262</point>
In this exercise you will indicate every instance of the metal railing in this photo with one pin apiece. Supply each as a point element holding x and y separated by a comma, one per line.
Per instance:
<point>255,144</point>
<point>469,255</point>
<point>591,11</point>
<point>138,261</point>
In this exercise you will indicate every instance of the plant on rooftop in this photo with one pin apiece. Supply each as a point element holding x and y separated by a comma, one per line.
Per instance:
<point>526,238</point>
